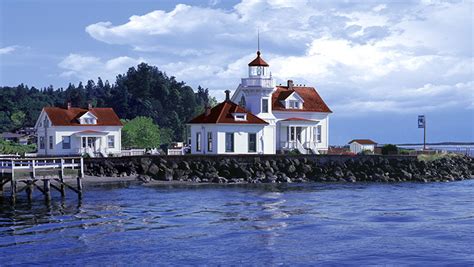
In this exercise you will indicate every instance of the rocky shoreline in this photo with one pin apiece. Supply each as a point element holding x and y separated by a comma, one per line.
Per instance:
<point>284,169</point>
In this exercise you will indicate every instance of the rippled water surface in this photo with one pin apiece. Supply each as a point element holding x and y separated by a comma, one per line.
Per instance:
<point>357,224</point>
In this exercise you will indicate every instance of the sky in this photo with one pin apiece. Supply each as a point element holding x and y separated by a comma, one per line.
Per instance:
<point>377,64</point>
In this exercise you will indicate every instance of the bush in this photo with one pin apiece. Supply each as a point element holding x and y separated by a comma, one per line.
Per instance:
<point>294,152</point>
<point>366,152</point>
<point>389,149</point>
<point>8,147</point>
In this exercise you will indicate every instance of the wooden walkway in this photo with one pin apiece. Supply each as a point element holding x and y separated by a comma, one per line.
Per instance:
<point>24,174</point>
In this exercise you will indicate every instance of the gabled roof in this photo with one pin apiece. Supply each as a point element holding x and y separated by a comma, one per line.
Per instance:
<point>312,101</point>
<point>288,93</point>
<point>258,61</point>
<point>363,142</point>
<point>90,113</point>
<point>222,113</point>
<point>70,116</point>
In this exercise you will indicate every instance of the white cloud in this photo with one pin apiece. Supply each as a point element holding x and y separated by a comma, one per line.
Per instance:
<point>387,57</point>
<point>8,49</point>
<point>89,67</point>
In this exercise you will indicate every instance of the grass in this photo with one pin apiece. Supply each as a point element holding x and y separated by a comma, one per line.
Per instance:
<point>432,157</point>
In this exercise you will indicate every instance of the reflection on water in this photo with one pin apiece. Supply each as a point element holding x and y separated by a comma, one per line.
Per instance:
<point>247,224</point>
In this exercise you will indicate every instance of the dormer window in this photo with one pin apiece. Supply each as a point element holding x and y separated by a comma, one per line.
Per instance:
<point>294,104</point>
<point>293,101</point>
<point>240,116</point>
<point>88,121</point>
<point>88,118</point>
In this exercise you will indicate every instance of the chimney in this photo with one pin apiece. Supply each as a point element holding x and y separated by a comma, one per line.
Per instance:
<point>290,84</point>
<point>207,109</point>
<point>89,106</point>
<point>227,95</point>
<point>68,105</point>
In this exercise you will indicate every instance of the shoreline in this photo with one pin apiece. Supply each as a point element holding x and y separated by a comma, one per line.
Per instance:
<point>268,169</point>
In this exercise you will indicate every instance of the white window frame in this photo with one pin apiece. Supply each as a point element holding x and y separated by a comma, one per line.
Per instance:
<point>111,138</point>
<point>198,142</point>
<point>66,143</point>
<point>240,116</point>
<point>265,100</point>
<point>41,142</point>
<point>50,142</point>
<point>209,142</point>
<point>318,134</point>
<point>232,142</point>
<point>255,143</point>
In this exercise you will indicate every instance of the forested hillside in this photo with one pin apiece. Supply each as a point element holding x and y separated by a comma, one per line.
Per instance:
<point>142,91</point>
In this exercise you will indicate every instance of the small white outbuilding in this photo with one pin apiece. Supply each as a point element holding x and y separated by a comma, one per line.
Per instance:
<point>359,145</point>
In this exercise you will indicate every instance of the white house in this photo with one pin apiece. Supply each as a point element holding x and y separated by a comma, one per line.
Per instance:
<point>279,118</point>
<point>359,145</point>
<point>75,131</point>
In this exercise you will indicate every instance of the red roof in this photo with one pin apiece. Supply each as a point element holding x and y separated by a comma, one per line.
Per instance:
<point>258,61</point>
<point>222,113</point>
<point>363,141</point>
<point>312,101</point>
<point>298,119</point>
<point>70,117</point>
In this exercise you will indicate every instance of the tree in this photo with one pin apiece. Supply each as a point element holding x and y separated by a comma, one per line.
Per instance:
<point>389,149</point>
<point>141,132</point>
<point>18,118</point>
<point>142,91</point>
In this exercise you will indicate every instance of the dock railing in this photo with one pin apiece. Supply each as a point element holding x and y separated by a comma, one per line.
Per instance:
<point>51,171</point>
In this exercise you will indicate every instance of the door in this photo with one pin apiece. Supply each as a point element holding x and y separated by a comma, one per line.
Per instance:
<point>294,134</point>
<point>89,142</point>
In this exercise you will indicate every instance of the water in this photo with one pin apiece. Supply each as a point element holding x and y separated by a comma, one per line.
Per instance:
<point>338,224</point>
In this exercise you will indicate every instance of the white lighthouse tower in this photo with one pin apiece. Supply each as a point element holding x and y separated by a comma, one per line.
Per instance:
<point>255,94</point>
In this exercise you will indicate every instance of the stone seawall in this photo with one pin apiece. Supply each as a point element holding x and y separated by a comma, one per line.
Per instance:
<point>283,168</point>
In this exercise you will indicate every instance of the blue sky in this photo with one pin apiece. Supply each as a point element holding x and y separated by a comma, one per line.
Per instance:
<point>377,64</point>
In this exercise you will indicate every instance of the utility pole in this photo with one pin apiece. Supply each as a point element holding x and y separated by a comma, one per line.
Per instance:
<point>422,124</point>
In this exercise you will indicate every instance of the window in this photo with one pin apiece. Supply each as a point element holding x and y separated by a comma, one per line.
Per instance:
<point>252,142</point>
<point>242,102</point>
<point>84,142</point>
<point>294,104</point>
<point>264,105</point>
<point>88,121</point>
<point>198,141</point>
<point>66,142</point>
<point>209,141</point>
<point>229,142</point>
<point>240,117</point>
<point>41,142</point>
<point>111,141</point>
<point>317,133</point>
<point>50,142</point>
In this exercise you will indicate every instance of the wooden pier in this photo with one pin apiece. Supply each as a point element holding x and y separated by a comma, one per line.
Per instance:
<point>43,174</point>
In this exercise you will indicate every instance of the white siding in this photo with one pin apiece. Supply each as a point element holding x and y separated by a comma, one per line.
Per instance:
<point>357,148</point>
<point>306,134</point>
<point>241,145</point>
<point>57,132</point>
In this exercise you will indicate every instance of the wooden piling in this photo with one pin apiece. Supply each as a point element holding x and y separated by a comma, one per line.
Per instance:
<point>12,171</point>
<point>47,189</point>
<point>13,181</point>
<point>29,190</point>
<point>80,176</point>
<point>62,188</point>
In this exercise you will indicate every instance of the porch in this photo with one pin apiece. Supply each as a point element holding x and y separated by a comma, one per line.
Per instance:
<point>302,135</point>
<point>92,143</point>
